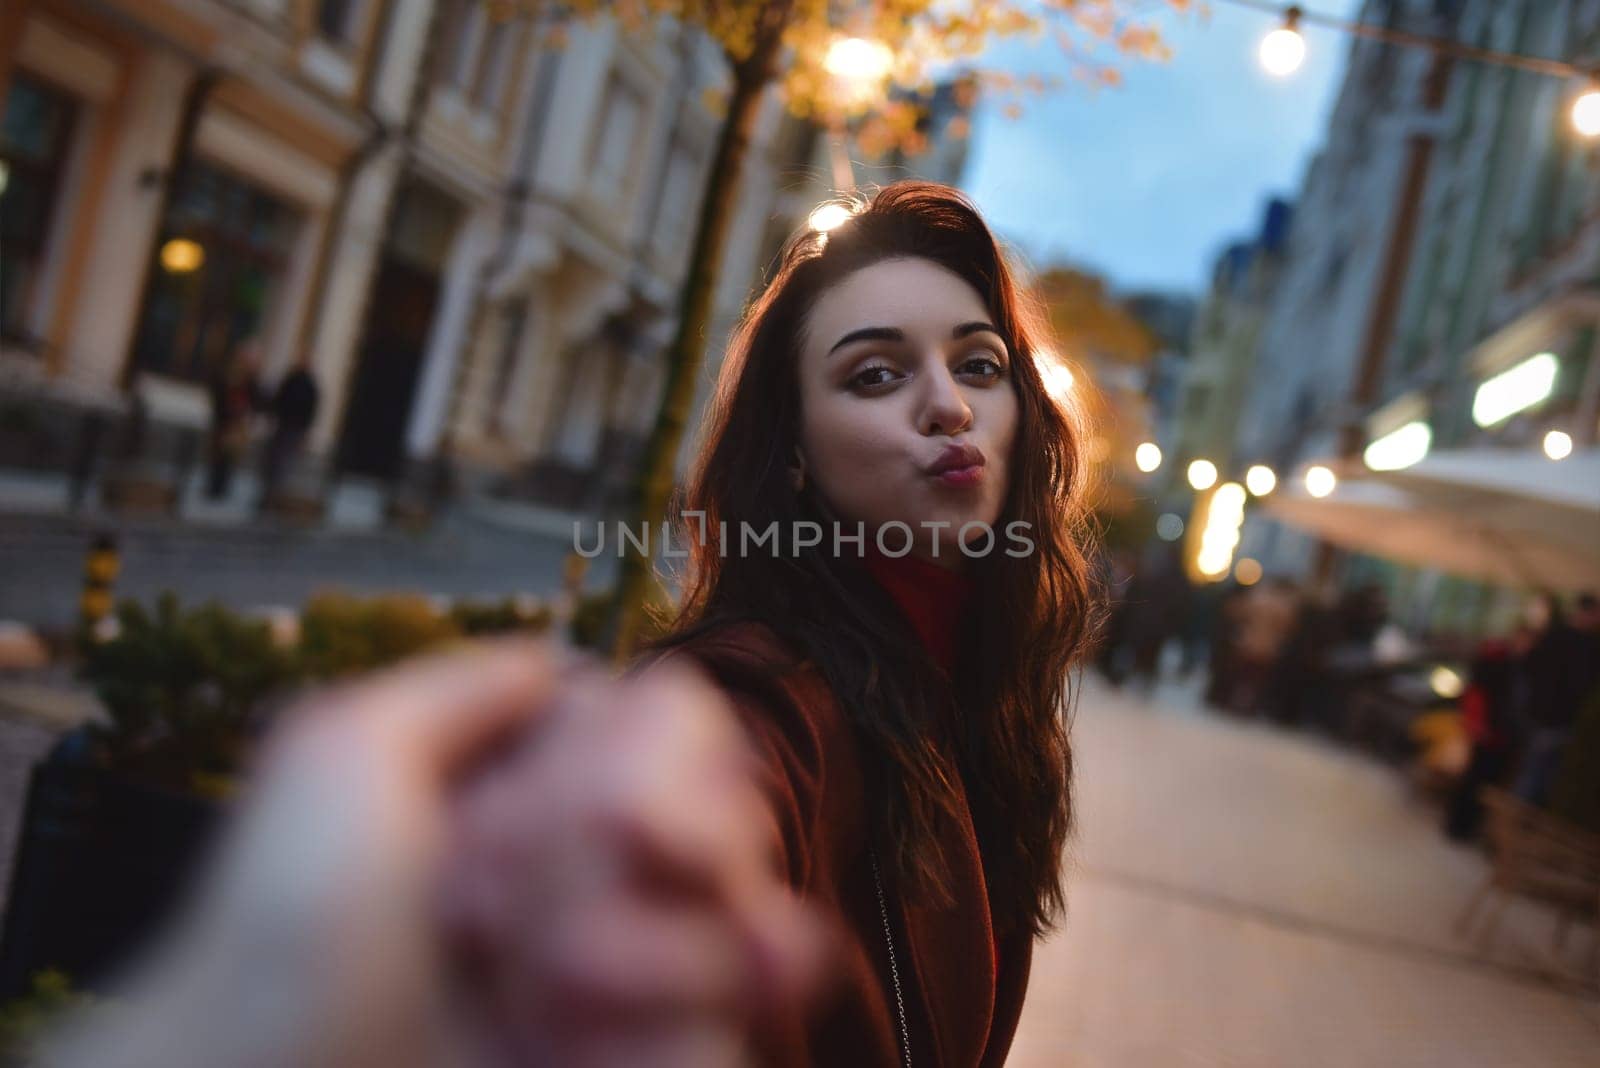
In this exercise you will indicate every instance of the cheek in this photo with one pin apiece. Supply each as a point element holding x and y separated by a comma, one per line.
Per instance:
<point>849,444</point>
<point>1000,414</point>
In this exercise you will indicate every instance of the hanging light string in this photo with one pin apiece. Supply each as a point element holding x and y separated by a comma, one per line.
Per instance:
<point>1292,14</point>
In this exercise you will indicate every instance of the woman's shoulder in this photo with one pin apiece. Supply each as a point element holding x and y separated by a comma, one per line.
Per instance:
<point>751,659</point>
<point>806,748</point>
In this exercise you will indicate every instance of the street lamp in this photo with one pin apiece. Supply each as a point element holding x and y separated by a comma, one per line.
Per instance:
<point>1202,474</point>
<point>825,217</point>
<point>182,256</point>
<point>858,67</point>
<point>1283,50</point>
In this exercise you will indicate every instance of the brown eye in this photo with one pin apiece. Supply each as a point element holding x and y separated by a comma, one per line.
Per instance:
<point>988,367</point>
<point>864,379</point>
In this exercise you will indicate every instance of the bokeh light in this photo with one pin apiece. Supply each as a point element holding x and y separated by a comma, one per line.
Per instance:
<point>1260,480</point>
<point>1202,474</point>
<point>1320,480</point>
<point>1147,456</point>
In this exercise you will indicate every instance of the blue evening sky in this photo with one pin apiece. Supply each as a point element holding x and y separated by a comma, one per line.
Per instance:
<point>1147,182</point>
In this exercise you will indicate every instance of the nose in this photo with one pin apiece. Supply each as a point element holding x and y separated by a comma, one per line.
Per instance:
<point>944,408</point>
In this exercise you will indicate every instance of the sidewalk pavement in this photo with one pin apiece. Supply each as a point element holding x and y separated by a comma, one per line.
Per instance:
<point>1243,895</point>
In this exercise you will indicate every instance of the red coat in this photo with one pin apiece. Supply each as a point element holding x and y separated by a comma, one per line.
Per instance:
<point>959,1012</point>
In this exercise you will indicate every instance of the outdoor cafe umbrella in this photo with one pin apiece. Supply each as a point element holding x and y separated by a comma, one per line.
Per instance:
<point>1518,491</point>
<point>1419,525</point>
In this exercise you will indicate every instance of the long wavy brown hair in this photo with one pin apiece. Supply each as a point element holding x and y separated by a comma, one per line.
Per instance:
<point>1032,616</point>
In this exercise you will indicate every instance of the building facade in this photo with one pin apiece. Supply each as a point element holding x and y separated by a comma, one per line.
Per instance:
<point>472,235</point>
<point>1448,231</point>
<point>1221,363</point>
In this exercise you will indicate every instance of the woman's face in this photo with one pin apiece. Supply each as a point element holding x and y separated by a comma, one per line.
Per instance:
<point>899,361</point>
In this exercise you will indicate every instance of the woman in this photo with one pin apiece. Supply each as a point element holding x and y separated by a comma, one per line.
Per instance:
<point>907,705</point>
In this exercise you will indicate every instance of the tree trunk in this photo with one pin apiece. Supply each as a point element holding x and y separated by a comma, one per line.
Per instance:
<point>653,485</point>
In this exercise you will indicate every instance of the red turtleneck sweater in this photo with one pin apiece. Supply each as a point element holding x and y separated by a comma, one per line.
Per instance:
<point>931,595</point>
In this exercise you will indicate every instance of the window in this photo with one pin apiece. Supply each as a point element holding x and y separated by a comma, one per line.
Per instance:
<point>490,85</point>
<point>477,46</point>
<point>680,201</point>
<point>338,20</point>
<point>222,248</point>
<point>613,151</point>
<point>464,26</point>
<point>35,139</point>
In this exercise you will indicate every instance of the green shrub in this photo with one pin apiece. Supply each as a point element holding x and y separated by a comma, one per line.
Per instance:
<point>345,635</point>
<point>477,618</point>
<point>26,1019</point>
<point>182,687</point>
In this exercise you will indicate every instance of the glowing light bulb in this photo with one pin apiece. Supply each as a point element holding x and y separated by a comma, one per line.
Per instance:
<point>827,216</point>
<point>1283,51</point>
<point>181,255</point>
<point>1586,112</point>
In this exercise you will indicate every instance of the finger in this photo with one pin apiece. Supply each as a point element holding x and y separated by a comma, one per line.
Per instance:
<point>638,960</point>
<point>443,710</point>
<point>792,950</point>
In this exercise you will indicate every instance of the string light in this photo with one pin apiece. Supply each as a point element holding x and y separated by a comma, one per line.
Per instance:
<point>1283,51</point>
<point>1286,52</point>
<point>1586,110</point>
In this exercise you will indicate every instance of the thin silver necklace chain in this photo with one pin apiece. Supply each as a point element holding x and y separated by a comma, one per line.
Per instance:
<point>894,967</point>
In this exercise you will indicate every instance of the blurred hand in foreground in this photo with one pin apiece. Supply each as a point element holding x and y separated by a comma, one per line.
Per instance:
<point>483,858</point>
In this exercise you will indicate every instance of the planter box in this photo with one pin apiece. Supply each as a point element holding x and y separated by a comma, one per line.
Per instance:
<point>102,864</point>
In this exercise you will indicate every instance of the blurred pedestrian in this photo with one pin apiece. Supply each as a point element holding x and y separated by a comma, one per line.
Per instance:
<point>1486,719</point>
<point>1551,681</point>
<point>1298,693</point>
<point>294,409</point>
<point>1266,618</point>
<point>1156,606</point>
<point>236,396</point>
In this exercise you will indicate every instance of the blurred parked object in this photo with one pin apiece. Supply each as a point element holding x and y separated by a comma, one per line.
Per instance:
<point>21,648</point>
<point>1544,859</point>
<point>100,568</point>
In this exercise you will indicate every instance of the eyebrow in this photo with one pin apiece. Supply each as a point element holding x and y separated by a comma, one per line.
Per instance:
<point>891,333</point>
